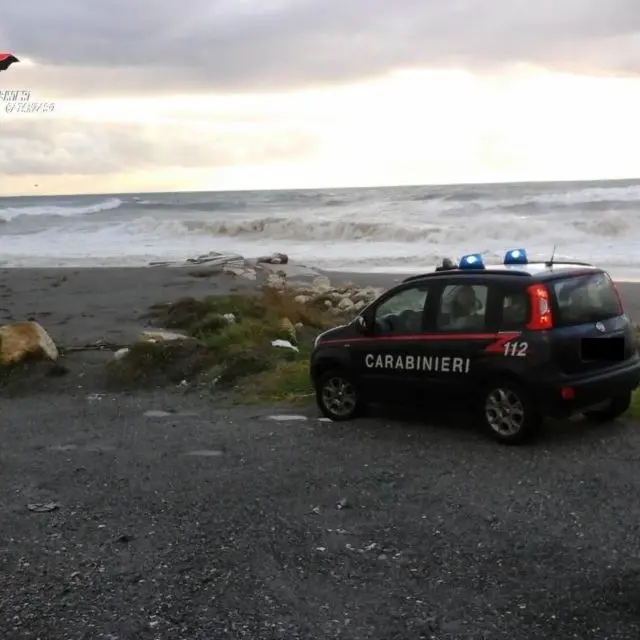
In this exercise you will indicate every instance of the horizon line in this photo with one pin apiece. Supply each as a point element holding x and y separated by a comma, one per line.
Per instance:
<point>329,188</point>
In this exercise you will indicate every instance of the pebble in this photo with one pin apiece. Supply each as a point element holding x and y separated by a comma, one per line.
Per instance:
<point>287,418</point>
<point>205,453</point>
<point>156,414</point>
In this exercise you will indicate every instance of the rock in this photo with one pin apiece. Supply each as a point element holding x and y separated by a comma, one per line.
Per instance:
<point>359,306</point>
<point>43,507</point>
<point>350,287</point>
<point>301,299</point>
<point>276,281</point>
<point>162,335</point>
<point>321,284</point>
<point>218,259</point>
<point>368,294</point>
<point>121,353</point>
<point>274,258</point>
<point>230,318</point>
<point>335,297</point>
<point>287,327</point>
<point>247,273</point>
<point>23,339</point>
<point>345,304</point>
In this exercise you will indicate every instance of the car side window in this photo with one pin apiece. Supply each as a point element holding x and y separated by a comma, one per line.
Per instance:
<point>402,313</point>
<point>463,307</point>
<point>515,311</point>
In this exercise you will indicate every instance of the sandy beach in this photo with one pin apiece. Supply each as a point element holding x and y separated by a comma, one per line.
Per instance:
<point>167,516</point>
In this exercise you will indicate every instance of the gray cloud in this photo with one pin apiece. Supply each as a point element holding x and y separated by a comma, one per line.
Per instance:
<point>68,147</point>
<point>221,45</point>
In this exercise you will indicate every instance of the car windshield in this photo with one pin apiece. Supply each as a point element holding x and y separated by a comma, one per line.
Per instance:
<point>586,298</point>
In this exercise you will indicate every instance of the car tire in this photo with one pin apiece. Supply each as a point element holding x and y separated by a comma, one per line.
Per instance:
<point>618,405</point>
<point>337,395</point>
<point>507,412</point>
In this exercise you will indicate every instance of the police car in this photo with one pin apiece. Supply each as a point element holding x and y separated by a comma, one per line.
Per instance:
<point>522,340</point>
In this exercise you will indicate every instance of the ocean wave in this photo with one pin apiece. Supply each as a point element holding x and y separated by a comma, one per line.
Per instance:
<point>11,213</point>
<point>418,201</point>
<point>351,228</point>
<point>307,229</point>
<point>570,198</point>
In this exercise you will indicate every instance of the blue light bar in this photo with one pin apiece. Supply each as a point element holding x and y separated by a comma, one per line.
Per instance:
<point>471,261</point>
<point>516,256</point>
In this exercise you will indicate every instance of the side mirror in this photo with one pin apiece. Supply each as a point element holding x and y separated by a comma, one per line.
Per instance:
<point>361,325</point>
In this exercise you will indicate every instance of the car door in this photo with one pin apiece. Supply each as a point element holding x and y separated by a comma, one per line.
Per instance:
<point>385,357</point>
<point>459,335</point>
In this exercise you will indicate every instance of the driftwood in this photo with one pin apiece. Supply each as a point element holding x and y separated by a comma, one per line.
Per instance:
<point>99,345</point>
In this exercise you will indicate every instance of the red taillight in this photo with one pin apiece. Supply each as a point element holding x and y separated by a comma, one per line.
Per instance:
<point>541,317</point>
<point>567,393</point>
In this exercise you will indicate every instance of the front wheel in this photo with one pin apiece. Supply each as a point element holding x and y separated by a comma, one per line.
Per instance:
<point>616,406</point>
<point>337,396</point>
<point>508,413</point>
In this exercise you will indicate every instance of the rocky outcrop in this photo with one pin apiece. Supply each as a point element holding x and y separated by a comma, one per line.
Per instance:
<point>344,300</point>
<point>22,340</point>
<point>276,272</point>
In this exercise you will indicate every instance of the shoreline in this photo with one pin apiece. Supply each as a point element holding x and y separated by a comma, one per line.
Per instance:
<point>104,303</point>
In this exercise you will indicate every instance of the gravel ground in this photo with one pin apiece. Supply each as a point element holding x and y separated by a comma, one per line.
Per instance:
<point>214,524</point>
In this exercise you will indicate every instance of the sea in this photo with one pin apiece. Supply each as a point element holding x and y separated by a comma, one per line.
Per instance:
<point>387,229</point>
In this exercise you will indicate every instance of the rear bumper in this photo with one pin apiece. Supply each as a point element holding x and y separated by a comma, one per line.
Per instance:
<point>588,391</point>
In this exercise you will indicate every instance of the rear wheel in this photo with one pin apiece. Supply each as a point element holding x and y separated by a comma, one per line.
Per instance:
<point>507,412</point>
<point>337,395</point>
<point>616,406</point>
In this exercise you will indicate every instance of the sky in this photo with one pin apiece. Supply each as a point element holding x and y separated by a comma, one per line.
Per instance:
<point>155,95</point>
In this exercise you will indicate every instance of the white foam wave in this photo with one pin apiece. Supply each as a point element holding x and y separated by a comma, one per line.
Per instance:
<point>338,229</point>
<point>11,213</point>
<point>400,229</point>
<point>584,196</point>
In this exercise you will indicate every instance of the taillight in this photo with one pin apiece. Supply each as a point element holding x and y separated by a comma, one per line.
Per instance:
<point>541,317</point>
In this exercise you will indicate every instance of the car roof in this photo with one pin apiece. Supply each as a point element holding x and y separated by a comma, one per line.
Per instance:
<point>534,271</point>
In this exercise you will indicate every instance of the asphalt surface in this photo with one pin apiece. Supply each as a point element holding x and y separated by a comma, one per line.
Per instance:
<point>221,523</point>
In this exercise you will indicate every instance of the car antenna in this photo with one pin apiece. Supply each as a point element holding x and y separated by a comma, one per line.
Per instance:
<point>549,263</point>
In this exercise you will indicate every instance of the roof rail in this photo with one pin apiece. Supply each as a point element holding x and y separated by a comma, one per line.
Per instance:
<point>551,263</point>
<point>469,272</point>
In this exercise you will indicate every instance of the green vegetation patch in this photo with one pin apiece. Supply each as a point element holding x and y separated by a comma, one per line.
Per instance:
<point>228,345</point>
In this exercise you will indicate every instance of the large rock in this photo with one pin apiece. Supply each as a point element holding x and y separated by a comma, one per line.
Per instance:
<point>274,258</point>
<point>21,340</point>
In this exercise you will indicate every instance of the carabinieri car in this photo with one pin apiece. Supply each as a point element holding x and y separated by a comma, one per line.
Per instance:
<point>521,341</point>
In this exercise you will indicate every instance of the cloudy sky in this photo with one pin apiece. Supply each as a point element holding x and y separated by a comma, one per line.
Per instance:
<point>234,94</point>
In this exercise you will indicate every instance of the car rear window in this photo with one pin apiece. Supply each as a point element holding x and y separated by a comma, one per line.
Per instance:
<point>585,298</point>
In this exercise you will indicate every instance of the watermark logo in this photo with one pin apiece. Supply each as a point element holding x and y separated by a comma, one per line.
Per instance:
<point>20,101</point>
<point>17,101</point>
<point>6,60</point>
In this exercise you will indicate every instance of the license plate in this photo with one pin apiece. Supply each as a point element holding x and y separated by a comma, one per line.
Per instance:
<point>603,349</point>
